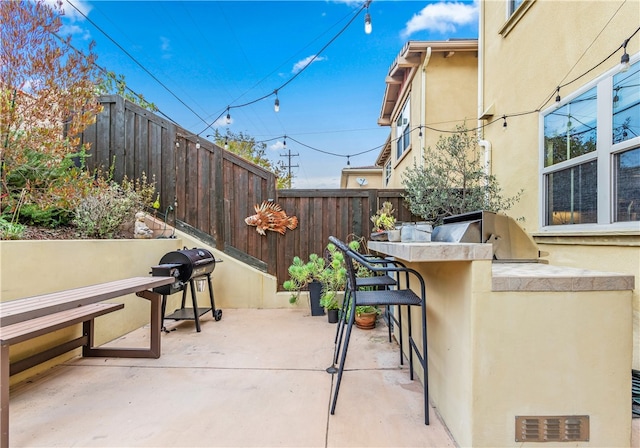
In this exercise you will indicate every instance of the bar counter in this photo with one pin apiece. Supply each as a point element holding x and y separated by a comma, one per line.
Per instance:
<point>509,340</point>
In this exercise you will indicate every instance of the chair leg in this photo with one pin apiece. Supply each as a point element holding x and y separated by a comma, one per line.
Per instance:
<point>352,316</point>
<point>389,321</point>
<point>340,328</point>
<point>410,337</point>
<point>425,369</point>
<point>400,340</point>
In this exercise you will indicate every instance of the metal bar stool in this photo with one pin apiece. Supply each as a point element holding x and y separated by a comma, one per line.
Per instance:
<point>376,282</point>
<point>398,296</point>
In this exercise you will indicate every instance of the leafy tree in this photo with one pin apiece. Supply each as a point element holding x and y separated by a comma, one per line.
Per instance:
<point>452,181</point>
<point>47,97</point>
<point>246,147</point>
<point>116,84</point>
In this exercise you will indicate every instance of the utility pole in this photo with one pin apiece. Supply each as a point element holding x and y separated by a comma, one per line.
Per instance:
<point>288,155</point>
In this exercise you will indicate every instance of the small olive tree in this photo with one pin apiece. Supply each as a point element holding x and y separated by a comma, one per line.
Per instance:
<point>452,181</point>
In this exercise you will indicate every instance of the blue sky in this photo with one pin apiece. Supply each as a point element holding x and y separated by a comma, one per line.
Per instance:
<point>208,55</point>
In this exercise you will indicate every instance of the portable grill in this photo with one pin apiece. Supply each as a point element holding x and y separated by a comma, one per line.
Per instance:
<point>510,242</point>
<point>191,267</point>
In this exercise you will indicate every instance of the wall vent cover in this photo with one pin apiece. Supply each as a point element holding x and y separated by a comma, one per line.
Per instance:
<point>559,428</point>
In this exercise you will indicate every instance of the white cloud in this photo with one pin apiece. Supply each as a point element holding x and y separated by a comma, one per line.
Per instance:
<point>277,146</point>
<point>306,61</point>
<point>165,43</point>
<point>322,182</point>
<point>165,46</point>
<point>75,30</point>
<point>72,13</point>
<point>222,122</point>
<point>442,17</point>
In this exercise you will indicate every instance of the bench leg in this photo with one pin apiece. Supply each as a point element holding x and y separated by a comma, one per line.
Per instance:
<point>154,349</point>
<point>4,396</point>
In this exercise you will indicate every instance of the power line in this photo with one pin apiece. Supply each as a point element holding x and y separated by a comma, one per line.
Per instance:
<point>275,91</point>
<point>138,63</point>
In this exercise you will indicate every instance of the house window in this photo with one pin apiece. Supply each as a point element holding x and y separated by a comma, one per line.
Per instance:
<point>387,172</point>
<point>512,5</point>
<point>403,131</point>
<point>591,154</point>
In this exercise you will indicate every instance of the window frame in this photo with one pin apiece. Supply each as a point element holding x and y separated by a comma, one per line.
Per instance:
<point>605,154</point>
<point>387,172</point>
<point>403,132</point>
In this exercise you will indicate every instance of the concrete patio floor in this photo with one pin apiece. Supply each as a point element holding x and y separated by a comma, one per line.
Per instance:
<point>256,378</point>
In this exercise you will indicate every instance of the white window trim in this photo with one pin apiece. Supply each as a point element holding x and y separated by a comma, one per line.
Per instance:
<point>405,112</point>
<point>605,152</point>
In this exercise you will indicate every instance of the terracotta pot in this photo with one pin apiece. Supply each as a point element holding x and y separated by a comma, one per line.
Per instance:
<point>366,321</point>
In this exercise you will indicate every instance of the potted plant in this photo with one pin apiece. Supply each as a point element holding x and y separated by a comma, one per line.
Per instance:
<point>333,279</point>
<point>306,275</point>
<point>366,316</point>
<point>442,188</point>
<point>384,224</point>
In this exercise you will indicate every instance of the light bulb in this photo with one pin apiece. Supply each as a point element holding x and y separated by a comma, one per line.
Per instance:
<point>228,119</point>
<point>276,105</point>
<point>198,144</point>
<point>624,60</point>
<point>616,98</point>
<point>367,23</point>
<point>226,143</point>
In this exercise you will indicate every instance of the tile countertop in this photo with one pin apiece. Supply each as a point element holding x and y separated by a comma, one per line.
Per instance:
<point>509,276</point>
<point>543,277</point>
<point>433,251</point>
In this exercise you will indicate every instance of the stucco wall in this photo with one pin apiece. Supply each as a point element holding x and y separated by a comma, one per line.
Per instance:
<point>497,355</point>
<point>552,43</point>
<point>29,268</point>
<point>451,88</point>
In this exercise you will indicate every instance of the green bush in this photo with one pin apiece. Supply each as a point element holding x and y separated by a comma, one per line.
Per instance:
<point>101,213</point>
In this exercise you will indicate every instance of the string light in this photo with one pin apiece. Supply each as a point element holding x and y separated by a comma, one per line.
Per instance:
<point>367,19</point>
<point>504,123</point>
<point>228,119</point>
<point>558,94</point>
<point>226,143</point>
<point>198,144</point>
<point>616,98</point>
<point>276,105</point>
<point>624,60</point>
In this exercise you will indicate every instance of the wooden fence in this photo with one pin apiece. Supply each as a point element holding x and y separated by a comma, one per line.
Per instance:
<point>213,190</point>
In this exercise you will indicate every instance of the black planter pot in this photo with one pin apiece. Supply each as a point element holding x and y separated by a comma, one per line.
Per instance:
<point>332,316</point>
<point>315,291</point>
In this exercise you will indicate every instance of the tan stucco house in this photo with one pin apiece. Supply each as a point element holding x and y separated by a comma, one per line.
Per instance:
<point>552,72</point>
<point>431,87</point>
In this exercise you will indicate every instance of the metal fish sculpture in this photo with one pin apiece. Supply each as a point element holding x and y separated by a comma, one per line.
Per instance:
<point>270,216</point>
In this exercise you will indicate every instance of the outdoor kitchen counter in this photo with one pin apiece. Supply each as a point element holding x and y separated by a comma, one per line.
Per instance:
<point>522,339</point>
<point>509,276</point>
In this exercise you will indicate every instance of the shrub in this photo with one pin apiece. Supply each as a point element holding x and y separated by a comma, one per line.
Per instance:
<point>452,181</point>
<point>102,212</point>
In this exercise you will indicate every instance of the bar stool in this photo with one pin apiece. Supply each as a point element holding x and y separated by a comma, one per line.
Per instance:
<point>384,297</point>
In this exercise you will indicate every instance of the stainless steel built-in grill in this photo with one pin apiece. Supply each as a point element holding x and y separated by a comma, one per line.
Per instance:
<point>510,242</point>
<point>188,266</point>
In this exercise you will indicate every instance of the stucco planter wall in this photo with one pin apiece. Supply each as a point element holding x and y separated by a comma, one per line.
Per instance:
<point>29,268</point>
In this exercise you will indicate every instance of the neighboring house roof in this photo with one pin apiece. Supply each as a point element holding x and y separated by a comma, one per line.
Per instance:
<point>385,153</point>
<point>366,172</point>
<point>408,62</point>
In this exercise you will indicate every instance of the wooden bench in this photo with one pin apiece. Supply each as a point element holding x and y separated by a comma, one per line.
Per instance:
<point>24,319</point>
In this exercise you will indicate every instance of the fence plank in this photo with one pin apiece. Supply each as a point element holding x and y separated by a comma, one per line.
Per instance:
<point>215,189</point>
